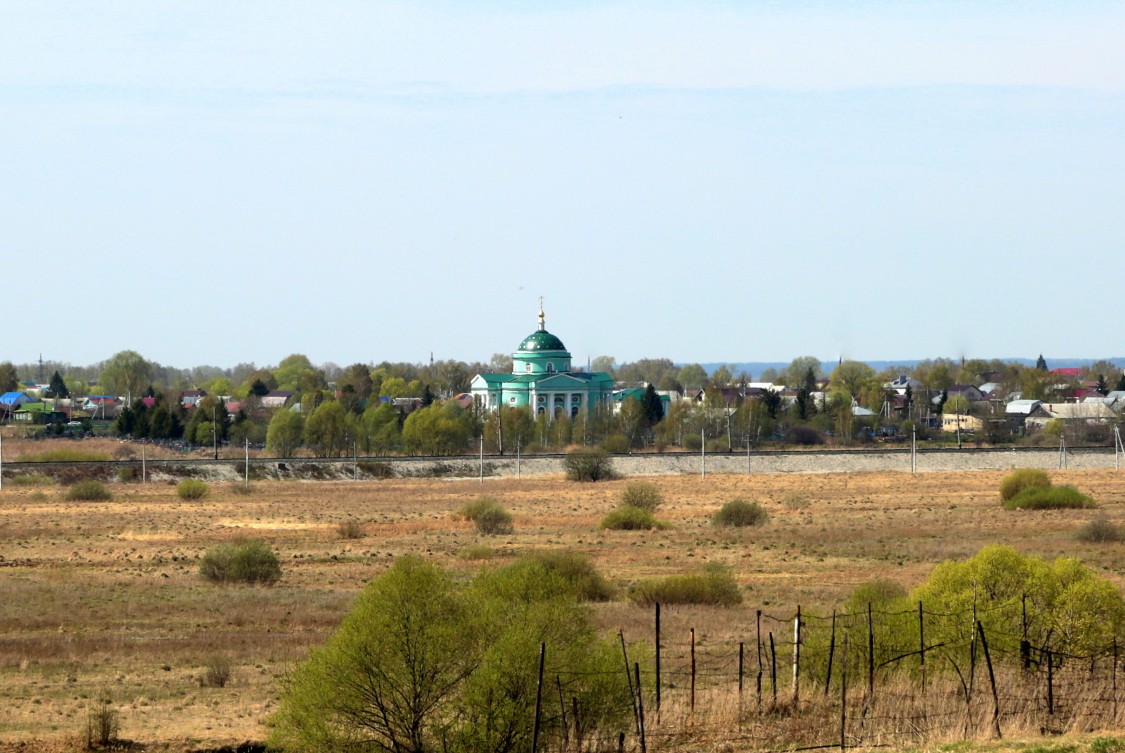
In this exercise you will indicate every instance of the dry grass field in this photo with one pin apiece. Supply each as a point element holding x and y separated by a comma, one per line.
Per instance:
<point>106,596</point>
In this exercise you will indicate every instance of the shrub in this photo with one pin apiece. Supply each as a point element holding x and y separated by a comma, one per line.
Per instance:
<point>588,464</point>
<point>796,501</point>
<point>1051,498</point>
<point>715,585</point>
<point>805,436</point>
<point>88,491</point>
<point>241,489</point>
<point>577,570</point>
<point>494,521</point>
<point>217,673</point>
<point>477,552</point>
<point>472,510</point>
<point>642,494</point>
<point>1020,479</point>
<point>192,488</point>
<point>1099,531</point>
<point>1067,603</point>
<point>31,479</point>
<point>102,723</point>
<point>244,561</point>
<point>350,529</point>
<point>739,513</point>
<point>490,518</point>
<point>626,518</point>
<point>616,444</point>
<point>64,455</point>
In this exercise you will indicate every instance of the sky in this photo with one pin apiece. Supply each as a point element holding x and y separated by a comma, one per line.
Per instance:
<point>221,183</point>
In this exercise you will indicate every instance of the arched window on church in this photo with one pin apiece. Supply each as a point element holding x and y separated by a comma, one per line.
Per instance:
<point>550,367</point>
<point>527,368</point>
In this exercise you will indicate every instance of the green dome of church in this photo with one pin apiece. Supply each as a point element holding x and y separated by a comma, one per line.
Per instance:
<point>541,340</point>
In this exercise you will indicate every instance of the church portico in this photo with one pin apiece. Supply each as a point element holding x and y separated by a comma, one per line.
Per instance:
<point>542,380</point>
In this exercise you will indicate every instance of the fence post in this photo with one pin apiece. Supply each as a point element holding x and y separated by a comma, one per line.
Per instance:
<point>759,640</point>
<point>973,651</point>
<point>693,670</point>
<point>870,656</point>
<point>844,698</point>
<point>538,698</point>
<point>1113,673</point>
<point>562,711</point>
<point>577,722</point>
<point>922,647</point>
<point>1025,644</point>
<point>831,652</point>
<point>629,680</point>
<point>741,647</point>
<point>773,669</point>
<point>658,659</point>
<point>991,680</point>
<point>797,658</point>
<point>640,704</point>
<point>1050,681</point>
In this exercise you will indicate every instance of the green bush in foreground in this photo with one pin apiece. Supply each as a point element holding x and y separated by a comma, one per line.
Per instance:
<point>244,561</point>
<point>1020,479</point>
<point>576,570</point>
<point>88,491</point>
<point>642,494</point>
<point>192,488</point>
<point>739,513</point>
<point>425,661</point>
<point>715,585</point>
<point>1051,498</point>
<point>629,519</point>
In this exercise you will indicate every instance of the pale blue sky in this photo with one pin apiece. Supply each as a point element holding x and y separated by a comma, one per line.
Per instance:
<point>360,181</point>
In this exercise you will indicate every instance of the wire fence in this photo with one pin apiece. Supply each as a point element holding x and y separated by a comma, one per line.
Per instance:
<point>869,678</point>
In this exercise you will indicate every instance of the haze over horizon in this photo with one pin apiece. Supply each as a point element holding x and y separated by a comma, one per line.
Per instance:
<point>368,181</point>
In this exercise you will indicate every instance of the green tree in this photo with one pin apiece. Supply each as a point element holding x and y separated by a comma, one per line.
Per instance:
<point>288,372</point>
<point>851,378</point>
<point>437,430</point>
<point>653,406</point>
<point>126,373</point>
<point>796,373</point>
<point>422,663</point>
<point>9,380</point>
<point>285,432</point>
<point>603,364</point>
<point>57,389</point>
<point>692,376</point>
<point>326,431</point>
<point>1070,608</point>
<point>358,376</point>
<point>383,430</point>
<point>958,404</point>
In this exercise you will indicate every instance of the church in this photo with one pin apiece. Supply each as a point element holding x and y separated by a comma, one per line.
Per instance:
<point>542,379</point>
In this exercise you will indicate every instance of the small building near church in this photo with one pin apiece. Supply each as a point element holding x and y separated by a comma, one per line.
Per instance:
<point>543,381</point>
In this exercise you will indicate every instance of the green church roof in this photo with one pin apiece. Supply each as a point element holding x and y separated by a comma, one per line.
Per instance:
<point>541,340</point>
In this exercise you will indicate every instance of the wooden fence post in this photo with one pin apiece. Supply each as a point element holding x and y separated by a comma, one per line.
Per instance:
<point>1050,681</point>
<point>797,657</point>
<point>538,698</point>
<point>693,670</point>
<point>562,711</point>
<point>773,669</point>
<point>844,698</point>
<point>658,659</point>
<point>922,646</point>
<point>870,656</point>
<point>741,648</point>
<point>991,680</point>
<point>759,640</point>
<point>629,681</point>
<point>831,652</point>
<point>640,704</point>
